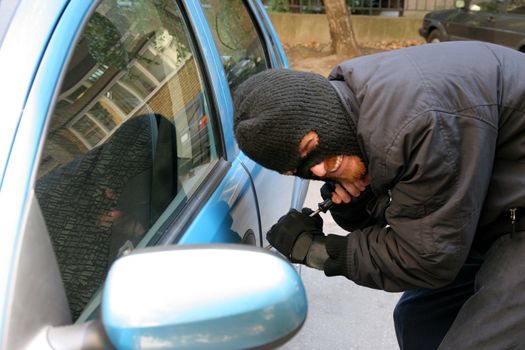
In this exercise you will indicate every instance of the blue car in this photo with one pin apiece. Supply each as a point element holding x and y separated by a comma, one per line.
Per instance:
<point>130,219</point>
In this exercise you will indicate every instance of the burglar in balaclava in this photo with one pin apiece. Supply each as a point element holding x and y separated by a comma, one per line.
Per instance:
<point>421,150</point>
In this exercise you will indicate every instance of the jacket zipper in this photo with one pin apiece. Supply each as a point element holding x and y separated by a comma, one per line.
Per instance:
<point>513,221</point>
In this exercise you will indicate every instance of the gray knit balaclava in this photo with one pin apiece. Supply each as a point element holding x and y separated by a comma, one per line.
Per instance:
<point>275,109</point>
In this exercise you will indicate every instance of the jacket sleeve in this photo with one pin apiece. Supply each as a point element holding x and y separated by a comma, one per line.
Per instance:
<point>440,166</point>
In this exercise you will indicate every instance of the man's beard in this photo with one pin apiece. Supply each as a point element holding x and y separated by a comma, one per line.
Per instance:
<point>355,170</point>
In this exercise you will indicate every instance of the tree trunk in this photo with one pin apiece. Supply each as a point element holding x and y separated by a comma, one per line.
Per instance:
<point>295,6</point>
<point>341,31</point>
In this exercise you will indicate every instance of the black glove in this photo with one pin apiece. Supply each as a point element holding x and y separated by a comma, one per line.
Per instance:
<point>338,262</point>
<point>294,233</point>
<point>317,254</point>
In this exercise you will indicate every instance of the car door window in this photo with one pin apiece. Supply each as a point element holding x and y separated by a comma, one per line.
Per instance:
<point>237,39</point>
<point>130,139</point>
<point>485,6</point>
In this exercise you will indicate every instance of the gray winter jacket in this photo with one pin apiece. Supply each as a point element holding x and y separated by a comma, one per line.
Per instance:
<point>442,128</point>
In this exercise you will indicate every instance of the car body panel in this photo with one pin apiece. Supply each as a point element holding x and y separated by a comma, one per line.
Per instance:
<point>43,17</point>
<point>300,186</point>
<point>473,23</point>
<point>294,188</point>
<point>33,57</point>
<point>15,189</point>
<point>506,33</point>
<point>229,213</point>
<point>246,321</point>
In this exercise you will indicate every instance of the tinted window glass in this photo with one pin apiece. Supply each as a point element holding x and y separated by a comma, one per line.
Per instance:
<point>130,136</point>
<point>237,39</point>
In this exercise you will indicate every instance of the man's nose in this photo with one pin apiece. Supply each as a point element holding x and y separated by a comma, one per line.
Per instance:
<point>318,170</point>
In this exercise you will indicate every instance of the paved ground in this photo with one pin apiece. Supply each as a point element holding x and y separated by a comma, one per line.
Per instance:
<point>343,315</point>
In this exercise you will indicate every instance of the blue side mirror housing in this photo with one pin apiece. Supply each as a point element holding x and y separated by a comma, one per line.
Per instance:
<point>202,297</point>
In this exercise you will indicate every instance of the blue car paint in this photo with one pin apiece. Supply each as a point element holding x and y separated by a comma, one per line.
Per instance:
<point>29,55</point>
<point>214,210</point>
<point>218,79</point>
<point>245,321</point>
<point>219,84</point>
<point>214,222</point>
<point>239,338</point>
<point>20,169</point>
<point>21,164</point>
<point>300,186</point>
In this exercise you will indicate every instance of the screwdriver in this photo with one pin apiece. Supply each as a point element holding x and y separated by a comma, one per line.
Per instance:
<point>321,207</point>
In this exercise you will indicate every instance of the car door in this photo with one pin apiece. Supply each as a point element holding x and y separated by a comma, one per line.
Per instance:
<point>509,27</point>
<point>297,187</point>
<point>476,22</point>
<point>124,141</point>
<point>251,47</point>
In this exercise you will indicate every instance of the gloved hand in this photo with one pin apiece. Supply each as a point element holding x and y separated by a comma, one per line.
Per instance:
<point>295,234</point>
<point>337,263</point>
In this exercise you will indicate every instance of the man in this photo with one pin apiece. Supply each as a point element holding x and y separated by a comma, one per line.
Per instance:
<point>423,152</point>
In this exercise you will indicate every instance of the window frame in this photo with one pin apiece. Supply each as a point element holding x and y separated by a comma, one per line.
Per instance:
<point>272,38</point>
<point>173,228</point>
<point>263,33</point>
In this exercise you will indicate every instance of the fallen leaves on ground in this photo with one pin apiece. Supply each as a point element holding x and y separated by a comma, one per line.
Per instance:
<point>317,57</point>
<point>385,45</point>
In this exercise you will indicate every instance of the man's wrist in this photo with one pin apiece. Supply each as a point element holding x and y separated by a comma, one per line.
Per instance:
<point>336,247</point>
<point>317,254</point>
<point>301,247</point>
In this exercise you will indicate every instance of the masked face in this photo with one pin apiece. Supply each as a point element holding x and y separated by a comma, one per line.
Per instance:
<point>323,152</point>
<point>274,110</point>
<point>340,168</point>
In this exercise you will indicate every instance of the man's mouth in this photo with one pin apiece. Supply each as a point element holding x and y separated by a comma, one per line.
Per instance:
<point>332,164</point>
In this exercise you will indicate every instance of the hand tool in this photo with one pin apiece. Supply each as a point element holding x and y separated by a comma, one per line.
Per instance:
<point>321,207</point>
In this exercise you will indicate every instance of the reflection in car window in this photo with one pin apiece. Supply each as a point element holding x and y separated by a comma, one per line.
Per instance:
<point>511,6</point>
<point>516,6</point>
<point>130,136</point>
<point>485,5</point>
<point>236,38</point>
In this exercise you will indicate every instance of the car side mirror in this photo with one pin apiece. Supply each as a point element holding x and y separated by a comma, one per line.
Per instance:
<point>202,297</point>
